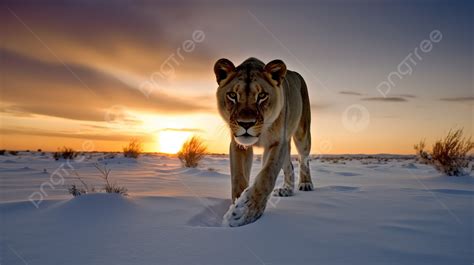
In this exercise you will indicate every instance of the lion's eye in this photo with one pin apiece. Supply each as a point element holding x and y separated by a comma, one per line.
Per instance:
<point>232,96</point>
<point>262,96</point>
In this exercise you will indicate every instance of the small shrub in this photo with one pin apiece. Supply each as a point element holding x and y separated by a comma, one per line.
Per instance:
<point>422,155</point>
<point>449,155</point>
<point>65,153</point>
<point>133,149</point>
<point>75,191</point>
<point>110,187</point>
<point>192,151</point>
<point>2,152</point>
<point>110,156</point>
<point>13,153</point>
<point>113,188</point>
<point>84,184</point>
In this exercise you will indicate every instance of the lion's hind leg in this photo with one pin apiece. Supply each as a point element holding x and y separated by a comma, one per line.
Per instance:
<point>302,140</point>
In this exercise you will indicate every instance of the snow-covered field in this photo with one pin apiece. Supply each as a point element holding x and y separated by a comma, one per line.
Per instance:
<point>363,211</point>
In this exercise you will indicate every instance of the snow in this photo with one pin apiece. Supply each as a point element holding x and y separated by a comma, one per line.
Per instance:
<point>382,210</point>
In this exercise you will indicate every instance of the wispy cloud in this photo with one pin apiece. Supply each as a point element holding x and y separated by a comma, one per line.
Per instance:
<point>116,46</point>
<point>393,98</point>
<point>50,90</point>
<point>404,95</point>
<point>458,99</point>
<point>15,111</point>
<point>52,56</point>
<point>193,130</point>
<point>351,93</point>
<point>386,99</point>
<point>85,136</point>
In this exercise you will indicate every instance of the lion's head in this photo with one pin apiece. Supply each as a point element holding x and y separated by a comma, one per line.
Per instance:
<point>250,96</point>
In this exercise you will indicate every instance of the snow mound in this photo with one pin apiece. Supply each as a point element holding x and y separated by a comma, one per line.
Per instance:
<point>95,205</point>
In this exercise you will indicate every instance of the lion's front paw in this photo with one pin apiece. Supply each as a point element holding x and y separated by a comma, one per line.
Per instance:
<point>243,211</point>
<point>283,192</point>
<point>305,186</point>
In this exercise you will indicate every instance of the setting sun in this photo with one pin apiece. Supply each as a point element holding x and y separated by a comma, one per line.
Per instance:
<point>171,141</point>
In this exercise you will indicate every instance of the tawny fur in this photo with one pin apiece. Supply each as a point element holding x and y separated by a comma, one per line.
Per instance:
<point>284,115</point>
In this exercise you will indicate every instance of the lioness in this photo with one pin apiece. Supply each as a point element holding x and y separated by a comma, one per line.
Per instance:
<point>264,105</point>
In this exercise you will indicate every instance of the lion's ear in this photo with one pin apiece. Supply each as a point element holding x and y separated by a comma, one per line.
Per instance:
<point>277,70</point>
<point>222,69</point>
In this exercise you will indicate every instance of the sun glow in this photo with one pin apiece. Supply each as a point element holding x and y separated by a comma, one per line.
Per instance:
<point>170,142</point>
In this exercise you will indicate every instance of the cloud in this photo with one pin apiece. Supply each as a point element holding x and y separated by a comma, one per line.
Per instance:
<point>458,99</point>
<point>352,93</point>
<point>405,95</point>
<point>124,37</point>
<point>194,130</point>
<point>393,98</point>
<point>386,99</point>
<point>75,60</point>
<point>15,111</point>
<point>100,127</point>
<point>51,90</point>
<point>54,110</point>
<point>86,136</point>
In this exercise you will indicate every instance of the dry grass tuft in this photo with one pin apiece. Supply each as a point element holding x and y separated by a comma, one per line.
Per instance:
<point>192,151</point>
<point>421,154</point>
<point>65,153</point>
<point>450,154</point>
<point>76,191</point>
<point>108,188</point>
<point>134,149</point>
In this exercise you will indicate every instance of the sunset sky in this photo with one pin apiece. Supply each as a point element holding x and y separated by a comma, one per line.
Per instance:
<point>103,72</point>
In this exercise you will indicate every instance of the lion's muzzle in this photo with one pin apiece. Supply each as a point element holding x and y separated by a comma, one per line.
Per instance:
<point>245,134</point>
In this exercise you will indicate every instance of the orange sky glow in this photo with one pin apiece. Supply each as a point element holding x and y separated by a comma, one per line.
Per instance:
<point>140,72</point>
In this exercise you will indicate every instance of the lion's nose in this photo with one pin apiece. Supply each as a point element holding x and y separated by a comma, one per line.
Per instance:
<point>246,125</point>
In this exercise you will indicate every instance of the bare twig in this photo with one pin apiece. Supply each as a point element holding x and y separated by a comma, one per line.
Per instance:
<point>80,179</point>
